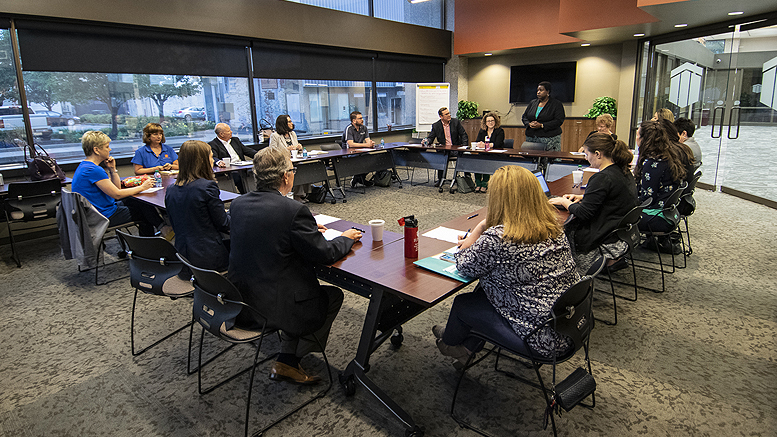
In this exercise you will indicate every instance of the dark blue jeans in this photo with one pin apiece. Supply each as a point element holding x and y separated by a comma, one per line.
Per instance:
<point>472,312</point>
<point>144,214</point>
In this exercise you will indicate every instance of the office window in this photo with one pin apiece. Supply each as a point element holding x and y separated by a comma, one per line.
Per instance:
<point>428,14</point>
<point>187,107</point>
<point>11,120</point>
<point>361,7</point>
<point>317,107</point>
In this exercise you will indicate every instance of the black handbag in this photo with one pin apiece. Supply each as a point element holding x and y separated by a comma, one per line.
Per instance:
<point>465,184</point>
<point>382,178</point>
<point>574,388</point>
<point>317,194</point>
<point>40,166</point>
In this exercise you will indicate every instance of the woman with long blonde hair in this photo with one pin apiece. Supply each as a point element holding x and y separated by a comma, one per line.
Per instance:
<point>524,263</point>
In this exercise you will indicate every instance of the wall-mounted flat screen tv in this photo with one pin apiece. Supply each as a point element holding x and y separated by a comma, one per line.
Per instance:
<point>524,80</point>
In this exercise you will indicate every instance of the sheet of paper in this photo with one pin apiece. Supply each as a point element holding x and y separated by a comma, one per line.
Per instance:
<point>331,234</point>
<point>361,150</point>
<point>578,153</point>
<point>445,234</point>
<point>152,190</point>
<point>498,150</point>
<point>239,163</point>
<point>317,152</point>
<point>323,219</point>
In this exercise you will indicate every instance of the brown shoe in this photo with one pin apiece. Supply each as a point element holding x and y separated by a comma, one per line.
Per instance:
<point>284,372</point>
<point>458,352</point>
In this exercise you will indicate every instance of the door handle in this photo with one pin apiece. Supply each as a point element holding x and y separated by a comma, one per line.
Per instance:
<point>731,118</point>
<point>714,115</point>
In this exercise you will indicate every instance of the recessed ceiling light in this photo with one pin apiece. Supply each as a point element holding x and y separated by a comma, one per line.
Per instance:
<point>585,44</point>
<point>736,13</point>
<point>639,34</point>
<point>681,25</point>
<point>488,54</point>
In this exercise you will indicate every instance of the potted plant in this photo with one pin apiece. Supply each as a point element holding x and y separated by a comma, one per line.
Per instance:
<point>603,105</point>
<point>467,110</point>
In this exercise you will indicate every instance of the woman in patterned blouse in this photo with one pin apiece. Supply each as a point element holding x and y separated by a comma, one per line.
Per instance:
<point>524,263</point>
<point>663,164</point>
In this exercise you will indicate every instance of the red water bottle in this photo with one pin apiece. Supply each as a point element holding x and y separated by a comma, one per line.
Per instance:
<point>411,236</point>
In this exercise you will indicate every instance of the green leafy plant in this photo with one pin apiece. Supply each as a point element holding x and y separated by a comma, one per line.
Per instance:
<point>467,110</point>
<point>603,105</point>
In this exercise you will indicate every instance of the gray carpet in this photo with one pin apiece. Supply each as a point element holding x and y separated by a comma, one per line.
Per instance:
<point>696,360</point>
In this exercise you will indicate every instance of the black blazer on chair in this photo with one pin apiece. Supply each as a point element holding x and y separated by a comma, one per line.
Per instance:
<point>219,151</point>
<point>275,244</point>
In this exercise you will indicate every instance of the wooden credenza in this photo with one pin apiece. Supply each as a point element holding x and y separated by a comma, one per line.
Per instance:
<point>574,132</point>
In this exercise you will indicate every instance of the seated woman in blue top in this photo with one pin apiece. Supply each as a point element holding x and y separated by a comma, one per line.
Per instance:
<point>610,195</point>
<point>155,155</point>
<point>523,260</point>
<point>662,166</point>
<point>196,211</point>
<point>102,187</point>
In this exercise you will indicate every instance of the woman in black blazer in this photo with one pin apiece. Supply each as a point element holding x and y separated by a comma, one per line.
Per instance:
<point>196,211</point>
<point>491,133</point>
<point>543,118</point>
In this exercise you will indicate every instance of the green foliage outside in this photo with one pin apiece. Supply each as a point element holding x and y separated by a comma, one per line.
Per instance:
<point>603,105</point>
<point>467,109</point>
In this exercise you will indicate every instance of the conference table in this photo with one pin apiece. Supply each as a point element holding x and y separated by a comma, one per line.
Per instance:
<point>157,198</point>
<point>397,291</point>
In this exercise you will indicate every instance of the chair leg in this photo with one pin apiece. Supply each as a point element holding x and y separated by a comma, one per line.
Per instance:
<point>132,331</point>
<point>547,400</point>
<point>14,255</point>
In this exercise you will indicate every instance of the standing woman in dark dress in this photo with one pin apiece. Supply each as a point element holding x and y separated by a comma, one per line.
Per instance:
<point>610,195</point>
<point>490,132</point>
<point>543,118</point>
<point>196,211</point>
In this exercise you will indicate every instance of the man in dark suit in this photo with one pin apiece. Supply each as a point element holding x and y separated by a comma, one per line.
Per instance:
<point>275,244</point>
<point>227,146</point>
<point>447,131</point>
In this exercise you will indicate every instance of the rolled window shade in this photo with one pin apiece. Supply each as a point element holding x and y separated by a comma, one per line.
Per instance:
<point>92,49</point>
<point>275,60</point>
<point>404,68</point>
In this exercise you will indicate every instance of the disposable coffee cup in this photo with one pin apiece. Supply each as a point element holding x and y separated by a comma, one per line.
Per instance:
<point>577,176</point>
<point>376,227</point>
<point>473,145</point>
<point>294,154</point>
<point>226,161</point>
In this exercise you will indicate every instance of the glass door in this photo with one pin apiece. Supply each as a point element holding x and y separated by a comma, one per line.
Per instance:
<point>724,83</point>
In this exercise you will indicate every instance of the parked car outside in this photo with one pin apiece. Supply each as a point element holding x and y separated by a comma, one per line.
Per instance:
<point>191,113</point>
<point>58,119</point>
<point>11,118</point>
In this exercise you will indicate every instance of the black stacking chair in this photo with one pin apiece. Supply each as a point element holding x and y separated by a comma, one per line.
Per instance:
<point>528,145</point>
<point>217,302</point>
<point>154,269</point>
<point>509,143</point>
<point>628,232</point>
<point>686,208</point>
<point>670,211</point>
<point>571,316</point>
<point>330,147</point>
<point>30,202</point>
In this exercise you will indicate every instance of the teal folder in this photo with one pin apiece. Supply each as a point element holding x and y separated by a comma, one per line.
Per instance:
<point>444,268</point>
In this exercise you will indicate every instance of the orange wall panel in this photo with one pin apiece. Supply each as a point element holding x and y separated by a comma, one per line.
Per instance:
<point>577,15</point>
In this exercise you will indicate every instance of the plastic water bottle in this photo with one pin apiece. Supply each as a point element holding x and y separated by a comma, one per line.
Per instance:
<point>382,143</point>
<point>157,179</point>
<point>304,153</point>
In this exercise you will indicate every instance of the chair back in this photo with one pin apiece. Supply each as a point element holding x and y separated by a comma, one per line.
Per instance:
<point>687,204</point>
<point>573,311</point>
<point>31,201</point>
<point>217,301</point>
<point>528,145</point>
<point>509,143</point>
<point>670,205</point>
<point>415,141</point>
<point>152,261</point>
<point>331,146</point>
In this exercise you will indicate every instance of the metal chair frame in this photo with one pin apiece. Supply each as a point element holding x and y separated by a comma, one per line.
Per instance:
<point>36,201</point>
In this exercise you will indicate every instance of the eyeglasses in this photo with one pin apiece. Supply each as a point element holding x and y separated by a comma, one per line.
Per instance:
<point>293,170</point>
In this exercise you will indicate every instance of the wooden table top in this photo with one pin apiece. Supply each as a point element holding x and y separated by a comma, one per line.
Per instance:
<point>507,152</point>
<point>157,198</point>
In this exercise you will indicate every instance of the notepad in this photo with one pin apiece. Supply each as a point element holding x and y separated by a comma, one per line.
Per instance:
<point>331,234</point>
<point>152,190</point>
<point>444,234</point>
<point>438,264</point>
<point>323,219</point>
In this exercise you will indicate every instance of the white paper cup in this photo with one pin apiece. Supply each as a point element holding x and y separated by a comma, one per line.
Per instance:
<point>376,228</point>
<point>294,154</point>
<point>473,145</point>
<point>227,161</point>
<point>577,176</point>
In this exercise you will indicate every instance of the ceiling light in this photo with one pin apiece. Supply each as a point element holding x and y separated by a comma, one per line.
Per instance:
<point>416,1</point>
<point>488,54</point>
<point>639,34</point>
<point>681,25</point>
<point>736,13</point>
<point>585,44</point>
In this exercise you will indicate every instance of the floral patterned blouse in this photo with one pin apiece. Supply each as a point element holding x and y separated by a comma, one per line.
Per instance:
<point>656,182</point>
<point>522,281</point>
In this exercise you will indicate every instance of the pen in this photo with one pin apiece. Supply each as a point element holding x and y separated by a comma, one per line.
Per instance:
<point>471,217</point>
<point>466,234</point>
<point>354,227</point>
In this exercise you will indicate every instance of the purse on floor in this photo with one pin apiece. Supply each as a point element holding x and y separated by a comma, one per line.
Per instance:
<point>465,184</point>
<point>574,388</point>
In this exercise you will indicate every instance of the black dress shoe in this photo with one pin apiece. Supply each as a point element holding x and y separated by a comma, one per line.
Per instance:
<point>284,372</point>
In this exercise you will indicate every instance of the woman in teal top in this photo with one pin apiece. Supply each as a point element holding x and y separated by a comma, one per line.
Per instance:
<point>155,155</point>
<point>543,119</point>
